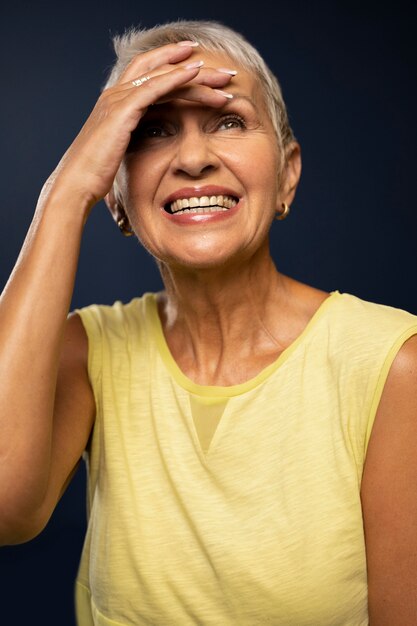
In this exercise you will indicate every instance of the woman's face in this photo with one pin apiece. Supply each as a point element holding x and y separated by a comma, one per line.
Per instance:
<point>184,156</point>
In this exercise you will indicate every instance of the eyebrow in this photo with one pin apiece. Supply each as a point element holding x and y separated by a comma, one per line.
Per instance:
<point>229,103</point>
<point>241,96</point>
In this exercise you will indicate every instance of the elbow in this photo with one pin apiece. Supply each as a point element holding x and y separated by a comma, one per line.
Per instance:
<point>15,535</point>
<point>15,530</point>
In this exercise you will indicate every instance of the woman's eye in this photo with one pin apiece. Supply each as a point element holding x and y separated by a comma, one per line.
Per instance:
<point>231,122</point>
<point>146,133</point>
<point>153,130</point>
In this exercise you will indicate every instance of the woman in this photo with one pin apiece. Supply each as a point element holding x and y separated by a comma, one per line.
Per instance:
<point>250,440</point>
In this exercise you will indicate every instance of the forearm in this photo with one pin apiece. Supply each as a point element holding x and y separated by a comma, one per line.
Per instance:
<point>33,312</point>
<point>37,436</point>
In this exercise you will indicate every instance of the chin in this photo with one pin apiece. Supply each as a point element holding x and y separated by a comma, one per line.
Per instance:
<point>199,260</point>
<point>203,253</point>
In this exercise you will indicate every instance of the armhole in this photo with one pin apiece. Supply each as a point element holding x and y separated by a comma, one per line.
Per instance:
<point>383,375</point>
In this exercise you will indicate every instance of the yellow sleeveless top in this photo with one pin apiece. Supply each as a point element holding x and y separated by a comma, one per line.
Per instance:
<point>231,506</point>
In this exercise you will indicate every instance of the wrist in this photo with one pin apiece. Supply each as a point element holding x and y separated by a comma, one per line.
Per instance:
<point>65,200</point>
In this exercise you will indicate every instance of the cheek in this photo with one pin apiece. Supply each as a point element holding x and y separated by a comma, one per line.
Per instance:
<point>257,161</point>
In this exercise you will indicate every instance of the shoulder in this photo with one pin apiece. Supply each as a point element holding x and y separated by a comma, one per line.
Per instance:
<point>354,310</point>
<point>405,363</point>
<point>115,319</point>
<point>373,332</point>
<point>399,396</point>
<point>115,310</point>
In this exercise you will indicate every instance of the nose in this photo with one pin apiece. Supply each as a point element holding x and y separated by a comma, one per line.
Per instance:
<point>194,156</point>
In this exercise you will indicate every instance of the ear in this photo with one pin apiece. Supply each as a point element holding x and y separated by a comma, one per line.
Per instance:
<point>118,213</point>
<point>114,205</point>
<point>291,174</point>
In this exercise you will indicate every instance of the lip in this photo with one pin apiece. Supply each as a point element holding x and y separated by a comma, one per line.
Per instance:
<point>204,190</point>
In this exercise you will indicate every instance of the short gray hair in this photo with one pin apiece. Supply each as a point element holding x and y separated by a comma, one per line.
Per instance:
<point>214,37</point>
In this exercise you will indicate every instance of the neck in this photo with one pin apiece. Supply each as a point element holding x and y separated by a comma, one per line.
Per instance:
<point>214,317</point>
<point>225,292</point>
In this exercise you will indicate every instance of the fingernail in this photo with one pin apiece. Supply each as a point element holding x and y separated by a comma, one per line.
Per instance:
<point>226,94</point>
<point>191,44</point>
<point>224,70</point>
<point>191,66</point>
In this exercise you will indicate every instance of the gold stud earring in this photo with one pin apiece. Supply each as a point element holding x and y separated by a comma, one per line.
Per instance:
<point>283,212</point>
<point>124,226</point>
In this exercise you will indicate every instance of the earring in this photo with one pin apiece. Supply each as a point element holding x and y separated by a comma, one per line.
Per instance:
<point>124,226</point>
<point>283,213</point>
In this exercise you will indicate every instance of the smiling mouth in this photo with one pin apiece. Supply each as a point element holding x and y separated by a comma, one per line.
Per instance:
<point>202,204</point>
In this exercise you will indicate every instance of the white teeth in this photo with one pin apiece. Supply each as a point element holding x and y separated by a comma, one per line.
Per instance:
<point>216,202</point>
<point>211,209</point>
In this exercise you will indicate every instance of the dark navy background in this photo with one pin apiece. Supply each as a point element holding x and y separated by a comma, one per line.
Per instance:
<point>348,73</point>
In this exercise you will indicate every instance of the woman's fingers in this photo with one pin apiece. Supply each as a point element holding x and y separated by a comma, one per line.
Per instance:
<point>167,58</point>
<point>151,89</point>
<point>208,96</point>
<point>212,77</point>
<point>143,64</point>
<point>209,77</point>
<point>207,89</point>
<point>168,83</point>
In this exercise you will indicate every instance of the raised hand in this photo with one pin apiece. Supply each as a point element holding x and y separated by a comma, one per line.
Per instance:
<point>91,163</point>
